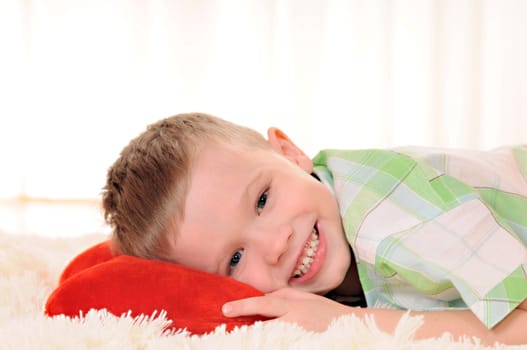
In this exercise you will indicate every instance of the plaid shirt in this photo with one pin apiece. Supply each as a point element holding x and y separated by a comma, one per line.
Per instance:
<point>435,229</point>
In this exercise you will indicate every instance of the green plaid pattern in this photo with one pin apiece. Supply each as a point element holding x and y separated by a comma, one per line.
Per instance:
<point>435,229</point>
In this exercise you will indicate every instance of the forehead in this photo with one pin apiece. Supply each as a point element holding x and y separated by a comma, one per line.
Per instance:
<point>216,205</point>
<point>220,172</point>
<point>220,155</point>
<point>224,175</point>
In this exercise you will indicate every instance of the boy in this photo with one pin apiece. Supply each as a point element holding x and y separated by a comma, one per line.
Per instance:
<point>200,191</point>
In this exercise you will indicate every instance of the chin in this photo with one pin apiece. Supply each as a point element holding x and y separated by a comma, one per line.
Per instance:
<point>339,278</point>
<point>328,286</point>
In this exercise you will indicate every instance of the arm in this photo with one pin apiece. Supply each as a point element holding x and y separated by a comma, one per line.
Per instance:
<point>463,322</point>
<point>315,312</point>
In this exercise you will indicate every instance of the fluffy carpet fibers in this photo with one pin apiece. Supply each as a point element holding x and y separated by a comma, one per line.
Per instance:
<point>29,271</point>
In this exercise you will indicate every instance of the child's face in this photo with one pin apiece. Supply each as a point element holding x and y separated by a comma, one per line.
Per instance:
<point>263,219</point>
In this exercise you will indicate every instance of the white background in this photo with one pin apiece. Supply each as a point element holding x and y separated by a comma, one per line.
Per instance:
<point>79,78</point>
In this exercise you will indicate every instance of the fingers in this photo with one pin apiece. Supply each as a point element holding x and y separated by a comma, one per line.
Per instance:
<point>274,304</point>
<point>266,305</point>
<point>291,293</point>
<point>313,312</point>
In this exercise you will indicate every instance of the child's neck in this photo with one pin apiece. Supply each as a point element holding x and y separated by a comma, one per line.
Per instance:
<point>350,286</point>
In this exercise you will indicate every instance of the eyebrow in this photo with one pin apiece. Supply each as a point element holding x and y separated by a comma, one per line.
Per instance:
<point>249,188</point>
<point>218,265</point>
<point>220,270</point>
<point>221,267</point>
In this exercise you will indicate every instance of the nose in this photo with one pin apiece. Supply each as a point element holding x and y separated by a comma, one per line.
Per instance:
<point>273,242</point>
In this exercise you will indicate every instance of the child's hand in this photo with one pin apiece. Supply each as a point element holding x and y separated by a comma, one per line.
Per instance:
<point>311,311</point>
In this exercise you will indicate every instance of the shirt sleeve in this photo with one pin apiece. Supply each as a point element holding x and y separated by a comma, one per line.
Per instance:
<point>434,229</point>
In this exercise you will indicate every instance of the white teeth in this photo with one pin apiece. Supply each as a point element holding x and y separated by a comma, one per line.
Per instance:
<point>306,260</point>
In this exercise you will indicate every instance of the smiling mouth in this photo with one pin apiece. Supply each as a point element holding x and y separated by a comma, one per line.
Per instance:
<point>306,259</point>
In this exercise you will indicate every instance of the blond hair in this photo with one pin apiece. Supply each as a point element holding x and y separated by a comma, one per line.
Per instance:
<point>146,187</point>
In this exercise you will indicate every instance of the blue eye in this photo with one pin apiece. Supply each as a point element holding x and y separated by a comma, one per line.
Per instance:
<point>261,202</point>
<point>235,259</point>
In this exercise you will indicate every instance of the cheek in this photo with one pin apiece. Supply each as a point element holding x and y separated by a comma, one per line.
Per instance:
<point>257,278</point>
<point>259,275</point>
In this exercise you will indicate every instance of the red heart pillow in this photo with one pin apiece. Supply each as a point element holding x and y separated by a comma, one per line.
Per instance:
<point>96,279</point>
<point>97,254</point>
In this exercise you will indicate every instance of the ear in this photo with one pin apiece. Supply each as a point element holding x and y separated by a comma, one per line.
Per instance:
<point>283,145</point>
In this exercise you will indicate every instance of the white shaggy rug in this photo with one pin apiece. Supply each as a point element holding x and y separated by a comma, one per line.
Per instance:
<point>29,270</point>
